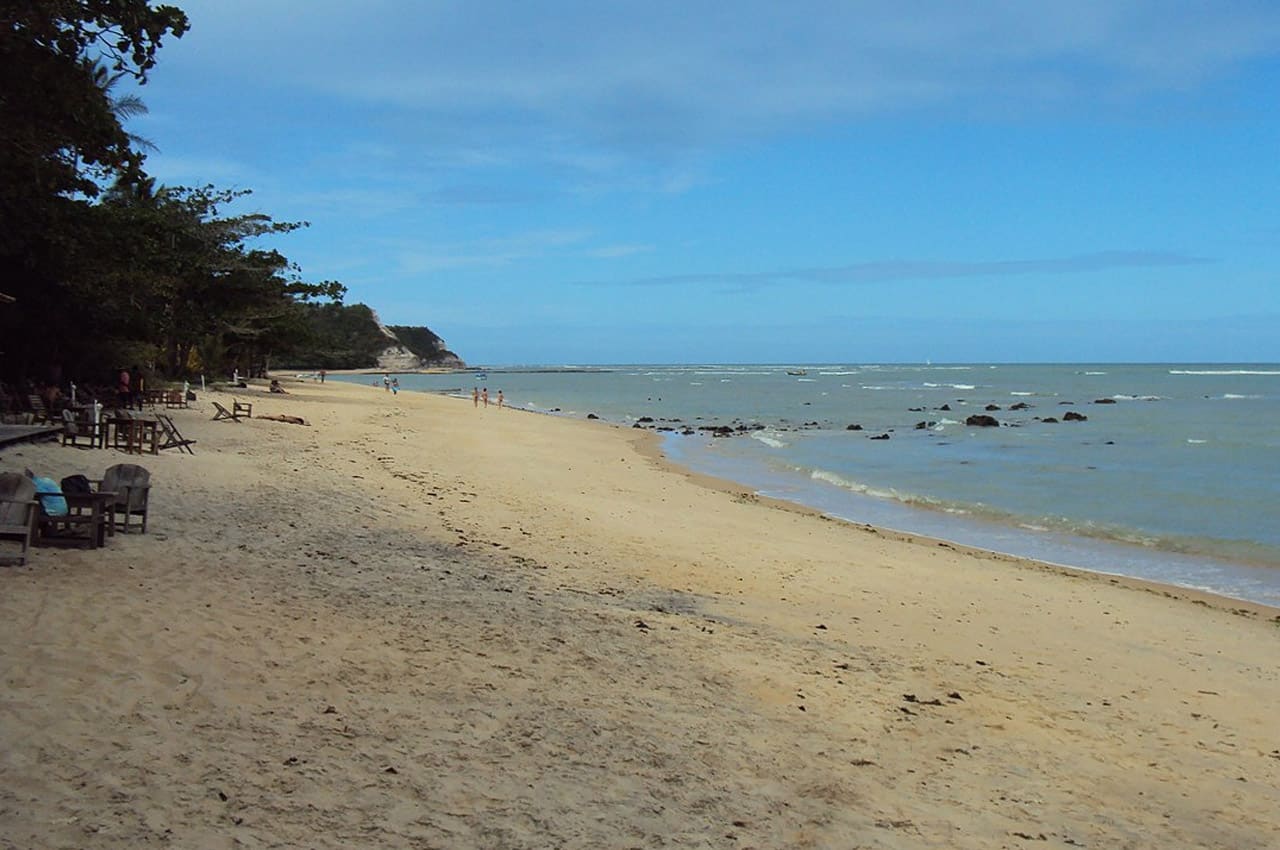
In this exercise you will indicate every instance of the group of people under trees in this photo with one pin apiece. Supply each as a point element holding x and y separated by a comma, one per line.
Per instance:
<point>29,396</point>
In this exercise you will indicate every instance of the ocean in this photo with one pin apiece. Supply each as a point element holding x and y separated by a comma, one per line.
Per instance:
<point>1163,472</point>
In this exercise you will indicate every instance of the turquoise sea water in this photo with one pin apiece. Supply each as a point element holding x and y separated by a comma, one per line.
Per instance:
<point>1173,476</point>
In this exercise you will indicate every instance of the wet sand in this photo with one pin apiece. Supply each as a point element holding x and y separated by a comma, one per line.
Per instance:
<point>416,623</point>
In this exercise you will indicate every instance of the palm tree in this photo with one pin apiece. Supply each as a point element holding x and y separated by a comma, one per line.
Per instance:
<point>125,106</point>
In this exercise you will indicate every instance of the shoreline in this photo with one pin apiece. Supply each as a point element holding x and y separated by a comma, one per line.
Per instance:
<point>414,621</point>
<point>648,444</point>
<point>1137,556</point>
<point>652,449</point>
<point>930,524</point>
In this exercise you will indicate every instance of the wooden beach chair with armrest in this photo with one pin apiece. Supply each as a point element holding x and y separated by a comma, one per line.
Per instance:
<point>173,438</point>
<point>85,519</point>
<point>223,413</point>
<point>77,426</point>
<point>242,408</point>
<point>132,485</point>
<point>18,511</point>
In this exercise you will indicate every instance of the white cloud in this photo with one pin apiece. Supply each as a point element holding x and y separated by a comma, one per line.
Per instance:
<point>899,270</point>
<point>417,258</point>
<point>660,71</point>
<point>613,252</point>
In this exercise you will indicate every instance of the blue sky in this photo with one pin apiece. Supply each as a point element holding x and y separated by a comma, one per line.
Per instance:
<point>596,182</point>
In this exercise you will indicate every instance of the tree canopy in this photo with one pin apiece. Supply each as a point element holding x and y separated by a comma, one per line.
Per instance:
<point>104,267</point>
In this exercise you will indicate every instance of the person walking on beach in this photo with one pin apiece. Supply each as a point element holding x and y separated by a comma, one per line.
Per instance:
<point>395,386</point>
<point>484,396</point>
<point>475,396</point>
<point>386,381</point>
<point>322,376</point>
<point>499,399</point>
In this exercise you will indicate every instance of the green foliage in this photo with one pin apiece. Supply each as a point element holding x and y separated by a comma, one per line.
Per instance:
<point>60,140</point>
<point>107,268</point>
<point>342,337</point>
<point>59,133</point>
<point>421,341</point>
<point>348,337</point>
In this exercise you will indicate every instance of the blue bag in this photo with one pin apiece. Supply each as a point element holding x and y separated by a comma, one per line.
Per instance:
<point>50,496</point>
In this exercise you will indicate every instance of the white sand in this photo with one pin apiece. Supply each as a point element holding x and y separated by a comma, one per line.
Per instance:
<point>413,623</point>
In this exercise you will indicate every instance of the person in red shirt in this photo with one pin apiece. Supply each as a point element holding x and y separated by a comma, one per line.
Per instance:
<point>123,396</point>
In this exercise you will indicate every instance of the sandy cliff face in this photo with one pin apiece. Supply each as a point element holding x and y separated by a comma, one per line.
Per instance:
<point>396,357</point>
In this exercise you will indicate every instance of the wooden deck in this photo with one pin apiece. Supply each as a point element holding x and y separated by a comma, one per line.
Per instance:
<point>10,434</point>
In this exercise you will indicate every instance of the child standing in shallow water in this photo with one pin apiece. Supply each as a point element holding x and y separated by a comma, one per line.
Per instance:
<point>499,399</point>
<point>475,396</point>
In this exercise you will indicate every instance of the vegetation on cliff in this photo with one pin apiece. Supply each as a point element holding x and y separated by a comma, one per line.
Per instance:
<point>351,337</point>
<point>426,345</point>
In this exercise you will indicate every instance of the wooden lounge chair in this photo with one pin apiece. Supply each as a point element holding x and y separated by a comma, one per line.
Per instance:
<point>81,427</point>
<point>132,485</point>
<point>238,411</point>
<point>223,413</point>
<point>18,511</point>
<point>172,438</point>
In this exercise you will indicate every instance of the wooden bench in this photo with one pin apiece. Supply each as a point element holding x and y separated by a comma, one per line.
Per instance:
<point>93,512</point>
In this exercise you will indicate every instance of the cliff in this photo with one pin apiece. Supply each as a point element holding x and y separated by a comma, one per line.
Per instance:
<point>410,347</point>
<point>351,336</point>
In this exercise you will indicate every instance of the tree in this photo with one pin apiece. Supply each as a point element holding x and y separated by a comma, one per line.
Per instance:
<point>61,140</point>
<point>56,122</point>
<point>109,269</point>
<point>192,281</point>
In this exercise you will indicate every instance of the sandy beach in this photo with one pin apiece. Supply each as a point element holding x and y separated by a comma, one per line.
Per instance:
<point>417,623</point>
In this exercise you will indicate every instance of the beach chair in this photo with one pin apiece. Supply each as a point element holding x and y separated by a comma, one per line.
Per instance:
<point>223,413</point>
<point>18,511</point>
<point>242,408</point>
<point>80,426</point>
<point>39,410</point>
<point>172,438</point>
<point>132,485</point>
<point>74,514</point>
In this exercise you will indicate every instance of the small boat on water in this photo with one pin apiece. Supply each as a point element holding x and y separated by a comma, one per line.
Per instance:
<point>797,372</point>
<point>482,376</point>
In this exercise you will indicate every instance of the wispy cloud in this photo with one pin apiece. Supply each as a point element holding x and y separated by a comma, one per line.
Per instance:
<point>198,170</point>
<point>612,252</point>
<point>660,77</point>
<point>421,258</point>
<point>898,270</point>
